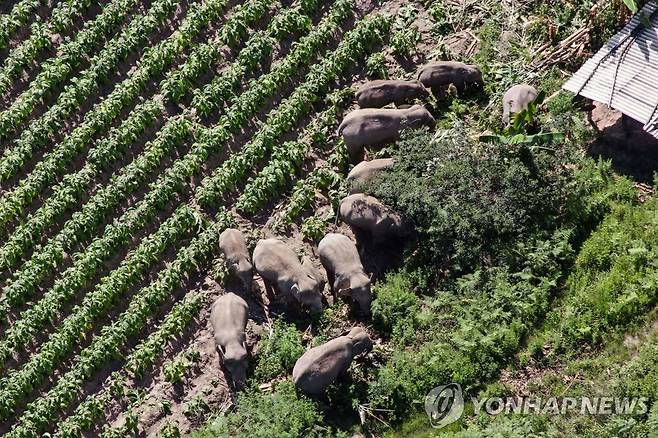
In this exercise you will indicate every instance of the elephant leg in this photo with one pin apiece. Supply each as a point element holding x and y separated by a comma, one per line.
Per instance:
<point>269,290</point>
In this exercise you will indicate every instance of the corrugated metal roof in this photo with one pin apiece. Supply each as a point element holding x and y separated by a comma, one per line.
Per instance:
<point>624,73</point>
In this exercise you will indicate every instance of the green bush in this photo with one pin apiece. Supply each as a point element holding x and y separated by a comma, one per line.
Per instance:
<point>281,414</point>
<point>615,278</point>
<point>470,201</point>
<point>395,307</point>
<point>278,352</point>
<point>480,322</point>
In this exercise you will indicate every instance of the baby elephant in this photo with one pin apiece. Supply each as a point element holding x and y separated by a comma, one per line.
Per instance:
<point>278,265</point>
<point>234,246</point>
<point>368,214</point>
<point>443,73</point>
<point>319,367</point>
<point>340,258</point>
<point>368,127</point>
<point>517,99</point>
<point>229,320</point>
<point>366,170</point>
<point>376,94</point>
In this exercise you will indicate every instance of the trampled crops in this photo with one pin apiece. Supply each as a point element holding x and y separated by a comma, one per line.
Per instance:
<point>129,129</point>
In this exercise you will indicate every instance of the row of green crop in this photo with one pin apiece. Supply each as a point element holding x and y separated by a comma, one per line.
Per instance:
<point>19,15</point>
<point>70,55</point>
<point>75,276</point>
<point>23,284</point>
<point>62,17</point>
<point>139,360</point>
<point>170,183</point>
<point>286,114</point>
<point>19,334</point>
<point>35,318</point>
<point>36,136</point>
<point>107,345</point>
<point>19,382</point>
<point>287,157</point>
<point>74,186</point>
<point>210,98</point>
<point>180,81</point>
<point>304,191</point>
<point>94,406</point>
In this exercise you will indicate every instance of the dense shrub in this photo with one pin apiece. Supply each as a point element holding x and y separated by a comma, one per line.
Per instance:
<point>480,321</point>
<point>395,307</point>
<point>496,227</point>
<point>281,414</point>
<point>469,200</point>
<point>614,281</point>
<point>278,352</point>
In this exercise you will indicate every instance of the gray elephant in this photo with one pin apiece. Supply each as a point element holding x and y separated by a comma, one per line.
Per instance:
<point>517,99</point>
<point>366,170</point>
<point>228,318</point>
<point>319,367</point>
<point>370,127</point>
<point>234,247</point>
<point>369,214</point>
<point>340,258</point>
<point>279,266</point>
<point>440,74</point>
<point>379,93</point>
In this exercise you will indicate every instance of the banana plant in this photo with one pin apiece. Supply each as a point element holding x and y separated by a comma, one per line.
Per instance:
<point>517,133</point>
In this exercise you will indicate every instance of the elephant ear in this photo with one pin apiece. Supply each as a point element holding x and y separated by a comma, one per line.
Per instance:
<point>344,287</point>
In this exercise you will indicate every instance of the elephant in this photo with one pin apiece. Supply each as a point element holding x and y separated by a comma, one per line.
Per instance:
<point>366,170</point>
<point>441,74</point>
<point>367,213</point>
<point>278,265</point>
<point>340,258</point>
<point>319,367</point>
<point>234,247</point>
<point>379,93</point>
<point>228,318</point>
<point>370,127</point>
<point>517,99</point>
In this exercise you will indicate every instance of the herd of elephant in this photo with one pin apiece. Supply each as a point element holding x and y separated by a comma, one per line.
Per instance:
<point>280,268</point>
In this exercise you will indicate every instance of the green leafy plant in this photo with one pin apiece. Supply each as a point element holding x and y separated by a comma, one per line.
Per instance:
<point>278,352</point>
<point>282,413</point>
<point>176,369</point>
<point>376,66</point>
<point>395,307</point>
<point>517,133</point>
<point>631,5</point>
